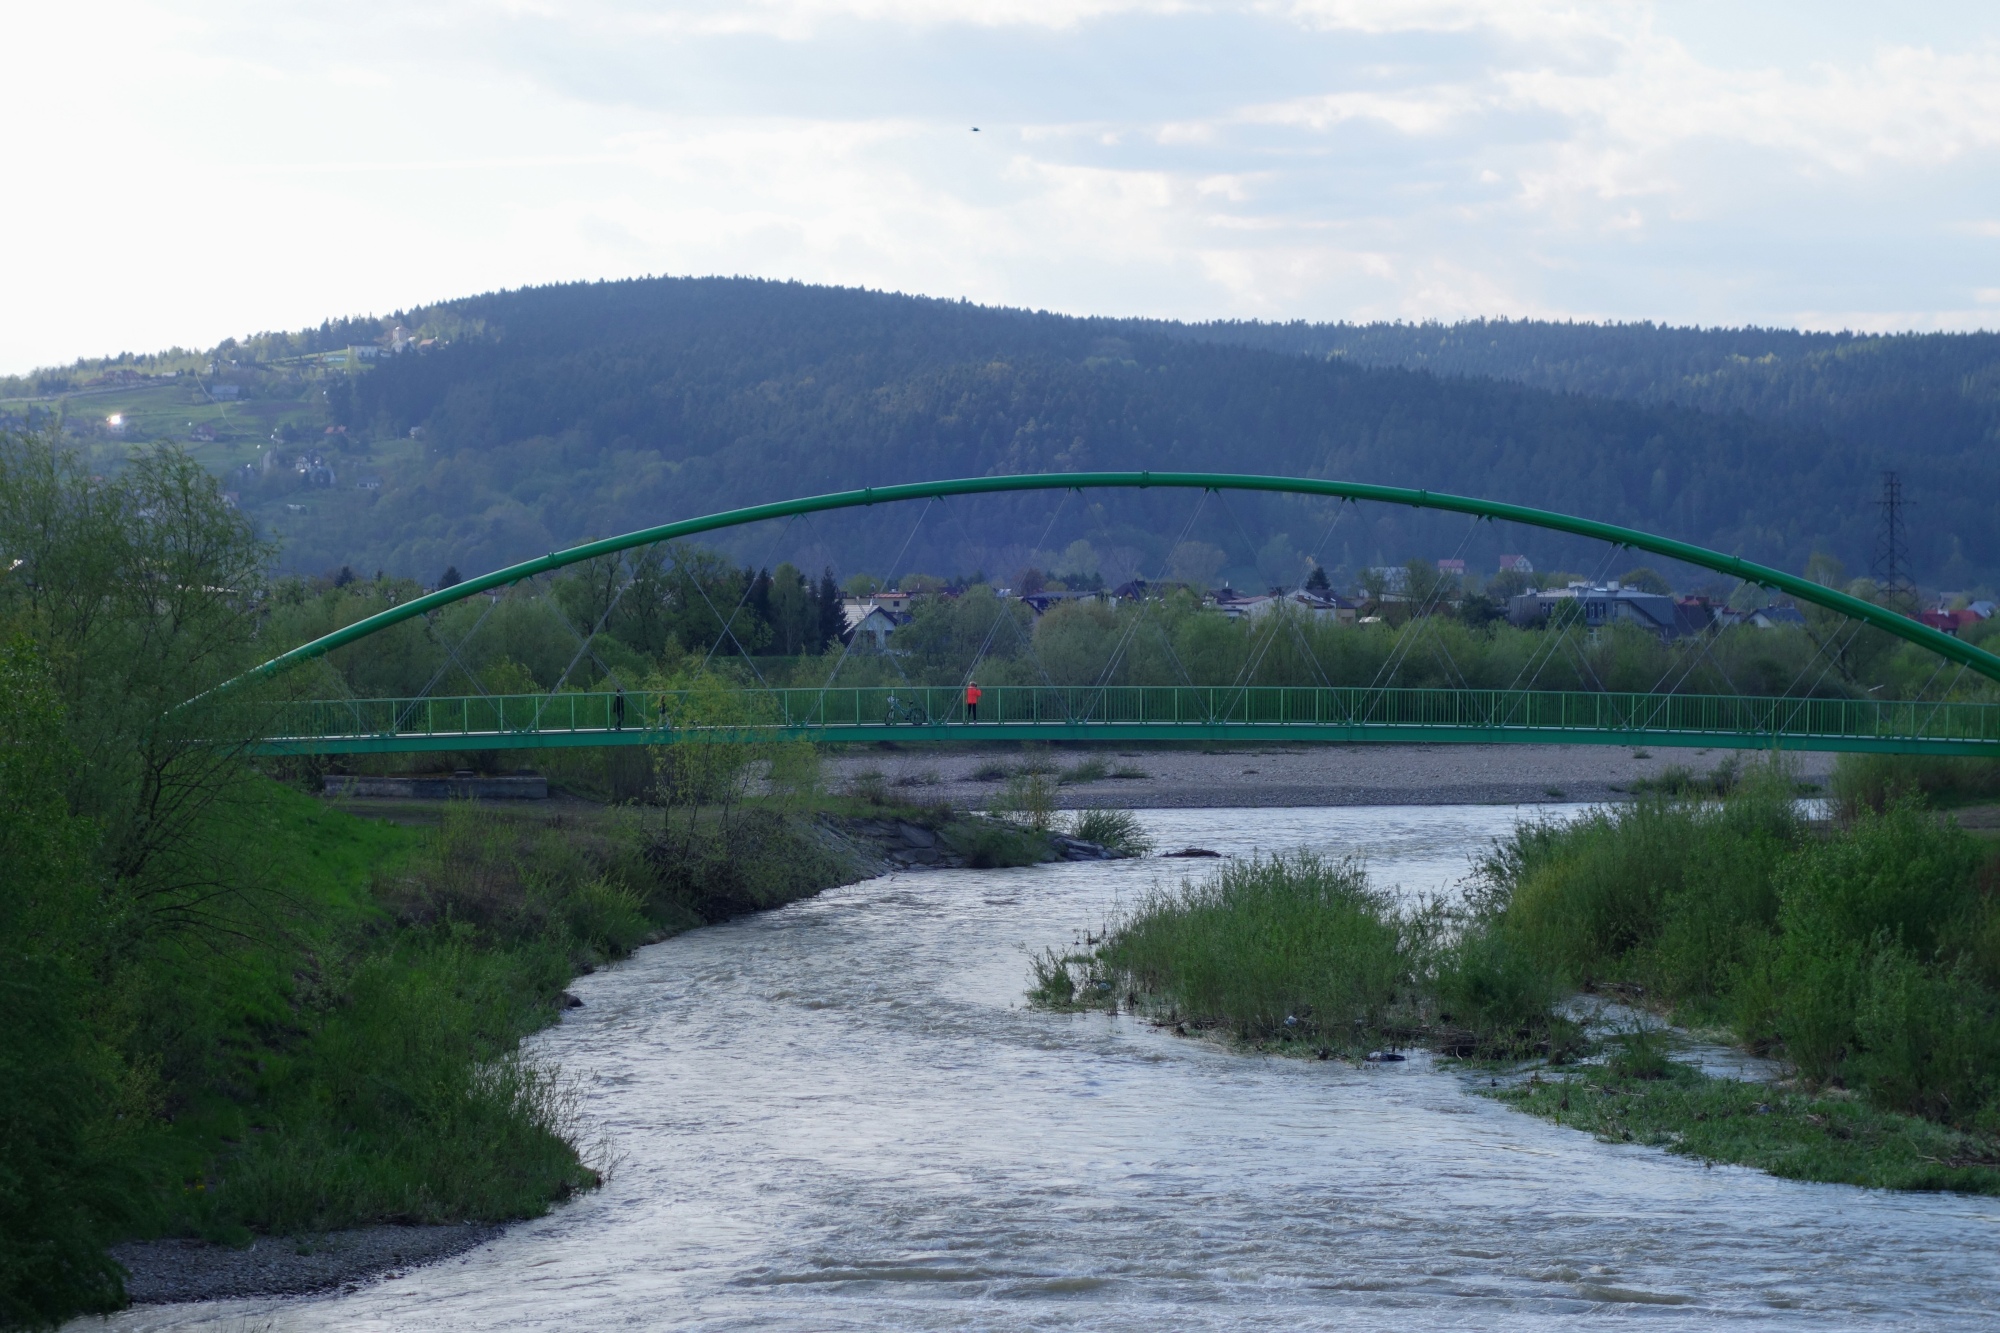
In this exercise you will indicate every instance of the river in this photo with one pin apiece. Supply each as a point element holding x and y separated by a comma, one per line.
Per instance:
<point>840,1115</point>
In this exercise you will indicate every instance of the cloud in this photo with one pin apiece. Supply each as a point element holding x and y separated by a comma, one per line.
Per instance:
<point>210,166</point>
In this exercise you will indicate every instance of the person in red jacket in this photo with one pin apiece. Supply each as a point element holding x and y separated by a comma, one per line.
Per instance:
<point>971,701</point>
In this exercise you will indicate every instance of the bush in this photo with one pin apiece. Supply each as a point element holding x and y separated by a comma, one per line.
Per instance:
<point>1901,874</point>
<point>1297,937</point>
<point>1874,782</point>
<point>1929,1040</point>
<point>1665,893</point>
<point>1486,986</point>
<point>1031,798</point>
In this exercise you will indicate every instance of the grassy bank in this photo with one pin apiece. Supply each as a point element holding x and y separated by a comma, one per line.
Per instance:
<point>1791,1132</point>
<point>339,1044</point>
<point>1865,957</point>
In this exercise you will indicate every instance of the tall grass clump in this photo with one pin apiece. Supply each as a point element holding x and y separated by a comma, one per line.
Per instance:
<point>1289,945</point>
<point>1114,830</point>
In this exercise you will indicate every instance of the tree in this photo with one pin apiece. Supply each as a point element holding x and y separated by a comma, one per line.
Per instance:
<point>140,592</point>
<point>1646,579</point>
<point>832,614</point>
<point>793,612</point>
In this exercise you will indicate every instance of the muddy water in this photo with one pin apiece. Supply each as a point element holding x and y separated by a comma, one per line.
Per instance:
<point>839,1116</point>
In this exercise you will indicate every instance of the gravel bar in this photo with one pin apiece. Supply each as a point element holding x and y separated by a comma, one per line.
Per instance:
<point>164,1272</point>
<point>1296,775</point>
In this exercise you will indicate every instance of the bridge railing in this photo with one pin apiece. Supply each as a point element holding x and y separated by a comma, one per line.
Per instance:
<point>672,715</point>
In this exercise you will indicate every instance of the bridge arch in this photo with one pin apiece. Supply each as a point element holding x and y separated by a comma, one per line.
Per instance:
<point>1945,645</point>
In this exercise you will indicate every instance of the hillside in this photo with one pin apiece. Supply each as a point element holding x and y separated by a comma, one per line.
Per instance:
<point>536,418</point>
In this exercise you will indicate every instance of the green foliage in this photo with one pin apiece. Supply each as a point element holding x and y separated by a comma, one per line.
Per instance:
<point>624,401</point>
<point>1876,781</point>
<point>1030,798</point>
<point>65,1174</point>
<point>1260,942</point>
<point>1838,1140</point>
<point>991,844</point>
<point>1116,830</point>
<point>1865,956</point>
<point>408,1104</point>
<point>1665,893</point>
<point>1493,1000</point>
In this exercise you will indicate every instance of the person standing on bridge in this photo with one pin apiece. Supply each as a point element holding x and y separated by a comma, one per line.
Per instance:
<point>618,710</point>
<point>971,701</point>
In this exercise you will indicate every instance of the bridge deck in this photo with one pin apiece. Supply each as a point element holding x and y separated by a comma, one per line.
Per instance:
<point>1129,713</point>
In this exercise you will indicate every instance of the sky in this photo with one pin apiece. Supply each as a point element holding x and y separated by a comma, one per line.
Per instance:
<point>186,170</point>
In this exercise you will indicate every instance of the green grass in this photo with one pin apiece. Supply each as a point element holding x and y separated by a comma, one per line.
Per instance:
<point>1115,830</point>
<point>1297,945</point>
<point>1794,1134</point>
<point>354,1057</point>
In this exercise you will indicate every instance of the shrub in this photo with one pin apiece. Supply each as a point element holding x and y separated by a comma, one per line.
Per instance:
<point>1874,782</point>
<point>1031,798</point>
<point>869,785</point>
<point>1115,830</point>
<point>1260,941</point>
<point>1487,986</point>
<point>1929,1040</point>
<point>1087,770</point>
<point>1901,873</point>
<point>1668,893</point>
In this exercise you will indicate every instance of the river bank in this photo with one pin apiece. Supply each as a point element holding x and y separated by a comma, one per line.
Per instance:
<point>498,858</point>
<point>1862,956</point>
<point>842,1115</point>
<point>1292,776</point>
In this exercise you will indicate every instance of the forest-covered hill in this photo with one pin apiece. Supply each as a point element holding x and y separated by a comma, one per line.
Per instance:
<point>547,415</point>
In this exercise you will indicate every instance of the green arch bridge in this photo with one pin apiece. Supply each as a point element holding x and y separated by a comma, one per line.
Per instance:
<point>1129,713</point>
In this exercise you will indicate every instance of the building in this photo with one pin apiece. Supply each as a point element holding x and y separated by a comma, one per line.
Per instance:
<point>1611,604</point>
<point>870,625</point>
<point>1516,564</point>
<point>1327,606</point>
<point>314,470</point>
<point>1456,567</point>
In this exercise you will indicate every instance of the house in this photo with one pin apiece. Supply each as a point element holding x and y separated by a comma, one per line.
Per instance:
<point>1763,617</point>
<point>368,484</point>
<point>1601,605</point>
<point>870,624</point>
<point>1327,606</point>
<point>1239,605</point>
<point>1516,564</point>
<point>1951,622</point>
<point>1392,580</point>
<point>1774,615</point>
<point>314,469</point>
<point>1452,567</point>
<point>1040,602</point>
